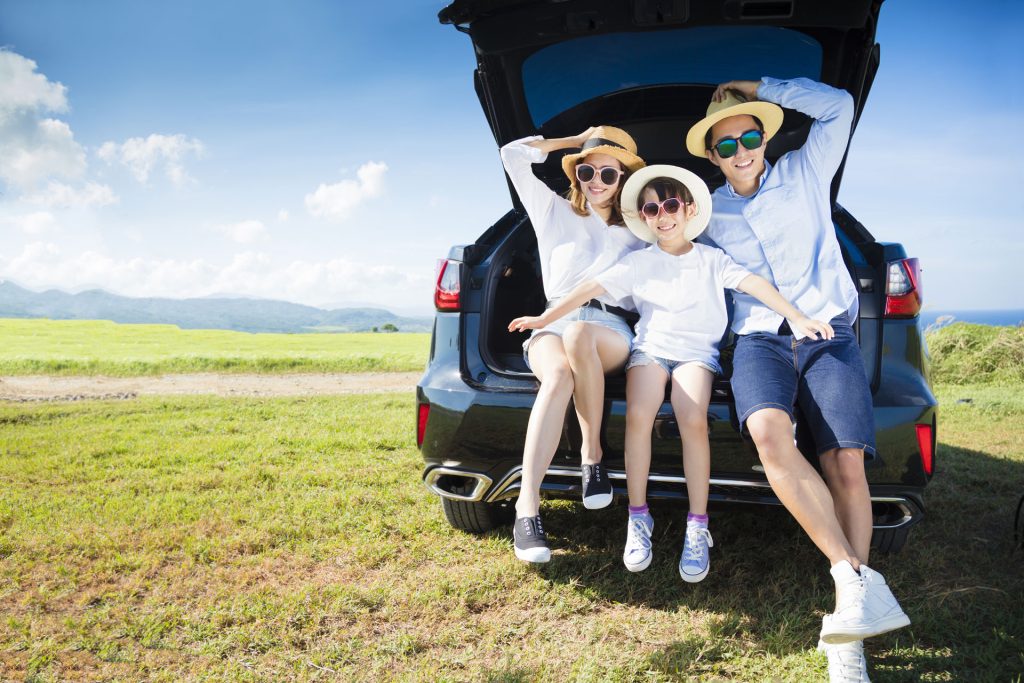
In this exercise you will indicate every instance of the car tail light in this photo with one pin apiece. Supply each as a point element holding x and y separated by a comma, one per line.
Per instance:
<point>903,295</point>
<point>421,423</point>
<point>446,289</point>
<point>926,444</point>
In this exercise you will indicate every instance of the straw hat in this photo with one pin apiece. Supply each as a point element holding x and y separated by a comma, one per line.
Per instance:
<point>608,140</point>
<point>770,115</point>
<point>631,190</point>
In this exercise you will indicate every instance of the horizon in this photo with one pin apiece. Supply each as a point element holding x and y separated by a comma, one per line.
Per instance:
<point>148,152</point>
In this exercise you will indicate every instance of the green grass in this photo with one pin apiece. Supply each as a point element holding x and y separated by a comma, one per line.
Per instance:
<point>291,539</point>
<point>76,347</point>
<point>977,354</point>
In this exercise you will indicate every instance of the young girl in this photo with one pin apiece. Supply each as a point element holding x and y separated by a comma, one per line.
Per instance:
<point>678,287</point>
<point>577,238</point>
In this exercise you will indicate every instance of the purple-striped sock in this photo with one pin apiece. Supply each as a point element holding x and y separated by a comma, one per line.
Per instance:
<point>638,510</point>
<point>700,519</point>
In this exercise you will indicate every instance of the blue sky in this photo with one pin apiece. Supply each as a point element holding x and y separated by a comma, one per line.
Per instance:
<point>327,153</point>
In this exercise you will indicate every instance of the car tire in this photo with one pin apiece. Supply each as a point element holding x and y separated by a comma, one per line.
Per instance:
<point>477,517</point>
<point>889,540</point>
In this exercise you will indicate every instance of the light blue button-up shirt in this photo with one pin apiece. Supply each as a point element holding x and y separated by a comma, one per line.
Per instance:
<point>784,231</point>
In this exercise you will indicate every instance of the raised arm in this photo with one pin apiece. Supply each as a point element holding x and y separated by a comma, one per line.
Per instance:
<point>518,158</point>
<point>574,299</point>
<point>762,290</point>
<point>555,144</point>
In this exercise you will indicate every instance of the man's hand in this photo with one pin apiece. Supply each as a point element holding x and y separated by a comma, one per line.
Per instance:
<point>747,89</point>
<point>811,328</point>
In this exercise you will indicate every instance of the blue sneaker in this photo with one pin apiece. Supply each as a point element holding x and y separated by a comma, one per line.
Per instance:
<point>694,562</point>
<point>637,555</point>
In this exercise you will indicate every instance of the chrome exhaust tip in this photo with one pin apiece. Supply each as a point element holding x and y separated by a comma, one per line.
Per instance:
<point>457,484</point>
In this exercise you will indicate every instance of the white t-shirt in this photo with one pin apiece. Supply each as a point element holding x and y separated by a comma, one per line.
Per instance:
<point>573,248</point>
<point>681,299</point>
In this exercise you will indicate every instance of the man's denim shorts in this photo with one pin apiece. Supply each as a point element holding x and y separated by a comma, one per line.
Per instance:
<point>638,358</point>
<point>825,378</point>
<point>586,314</point>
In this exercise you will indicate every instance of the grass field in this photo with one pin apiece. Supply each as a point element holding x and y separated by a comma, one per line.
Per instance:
<point>77,347</point>
<point>291,539</point>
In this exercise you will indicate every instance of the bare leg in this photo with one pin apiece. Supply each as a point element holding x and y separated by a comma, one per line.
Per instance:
<point>797,484</point>
<point>593,351</point>
<point>844,473</point>
<point>691,393</point>
<point>645,392</point>
<point>543,431</point>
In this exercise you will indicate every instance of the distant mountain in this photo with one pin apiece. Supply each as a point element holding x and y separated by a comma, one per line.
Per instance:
<point>245,315</point>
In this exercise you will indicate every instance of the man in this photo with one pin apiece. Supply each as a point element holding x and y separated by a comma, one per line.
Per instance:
<point>776,221</point>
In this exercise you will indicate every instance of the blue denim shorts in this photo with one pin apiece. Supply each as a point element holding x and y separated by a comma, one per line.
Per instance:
<point>586,314</point>
<point>638,358</point>
<point>825,378</point>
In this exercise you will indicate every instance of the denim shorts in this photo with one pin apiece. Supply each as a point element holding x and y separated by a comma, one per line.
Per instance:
<point>638,358</point>
<point>586,314</point>
<point>826,378</point>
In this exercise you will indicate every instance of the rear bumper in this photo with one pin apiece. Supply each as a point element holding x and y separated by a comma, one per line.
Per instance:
<point>892,508</point>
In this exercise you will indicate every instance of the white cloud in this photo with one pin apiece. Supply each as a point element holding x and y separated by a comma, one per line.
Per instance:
<point>35,223</point>
<point>143,155</point>
<point>61,196</point>
<point>33,146</point>
<point>244,232</point>
<point>336,202</point>
<point>283,216</point>
<point>249,274</point>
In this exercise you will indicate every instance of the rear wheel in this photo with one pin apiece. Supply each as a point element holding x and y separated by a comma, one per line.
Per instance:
<point>889,540</point>
<point>477,517</point>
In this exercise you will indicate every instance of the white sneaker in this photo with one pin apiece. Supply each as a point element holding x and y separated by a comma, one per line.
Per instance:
<point>637,555</point>
<point>865,606</point>
<point>846,662</point>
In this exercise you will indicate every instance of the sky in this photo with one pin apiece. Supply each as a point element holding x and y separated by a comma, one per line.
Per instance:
<point>329,153</point>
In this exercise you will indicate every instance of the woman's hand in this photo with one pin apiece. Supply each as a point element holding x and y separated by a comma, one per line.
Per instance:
<point>747,89</point>
<point>584,136</point>
<point>811,328</point>
<point>527,322</point>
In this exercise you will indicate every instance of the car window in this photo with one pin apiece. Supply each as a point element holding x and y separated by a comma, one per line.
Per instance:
<point>561,76</point>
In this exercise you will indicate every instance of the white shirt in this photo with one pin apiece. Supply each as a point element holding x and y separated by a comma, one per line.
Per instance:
<point>681,299</point>
<point>573,248</point>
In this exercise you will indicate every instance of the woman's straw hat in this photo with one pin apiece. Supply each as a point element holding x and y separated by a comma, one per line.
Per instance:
<point>608,140</point>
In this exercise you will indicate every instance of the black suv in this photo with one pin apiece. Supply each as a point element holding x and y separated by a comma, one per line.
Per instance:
<point>650,66</point>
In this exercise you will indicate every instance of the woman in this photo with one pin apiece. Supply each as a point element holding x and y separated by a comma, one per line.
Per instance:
<point>577,238</point>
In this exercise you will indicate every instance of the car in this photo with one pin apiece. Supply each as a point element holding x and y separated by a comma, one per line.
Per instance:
<point>649,67</point>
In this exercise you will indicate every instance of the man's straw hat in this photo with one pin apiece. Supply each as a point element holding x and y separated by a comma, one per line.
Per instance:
<point>770,115</point>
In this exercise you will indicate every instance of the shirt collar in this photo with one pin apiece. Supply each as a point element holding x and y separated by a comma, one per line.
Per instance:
<point>760,183</point>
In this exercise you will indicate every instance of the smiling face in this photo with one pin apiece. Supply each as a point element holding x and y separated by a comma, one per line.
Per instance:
<point>744,168</point>
<point>667,227</point>
<point>596,192</point>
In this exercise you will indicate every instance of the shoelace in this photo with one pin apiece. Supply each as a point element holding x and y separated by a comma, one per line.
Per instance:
<point>639,535</point>
<point>850,664</point>
<point>694,548</point>
<point>851,593</point>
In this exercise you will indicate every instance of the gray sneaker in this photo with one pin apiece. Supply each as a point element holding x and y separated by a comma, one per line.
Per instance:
<point>694,562</point>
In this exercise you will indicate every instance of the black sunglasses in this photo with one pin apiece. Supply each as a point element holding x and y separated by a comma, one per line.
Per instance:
<point>609,175</point>
<point>727,147</point>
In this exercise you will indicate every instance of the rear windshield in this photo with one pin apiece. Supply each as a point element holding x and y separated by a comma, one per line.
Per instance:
<point>561,76</point>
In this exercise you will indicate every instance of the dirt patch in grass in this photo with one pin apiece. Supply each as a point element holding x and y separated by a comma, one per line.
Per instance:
<point>56,388</point>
